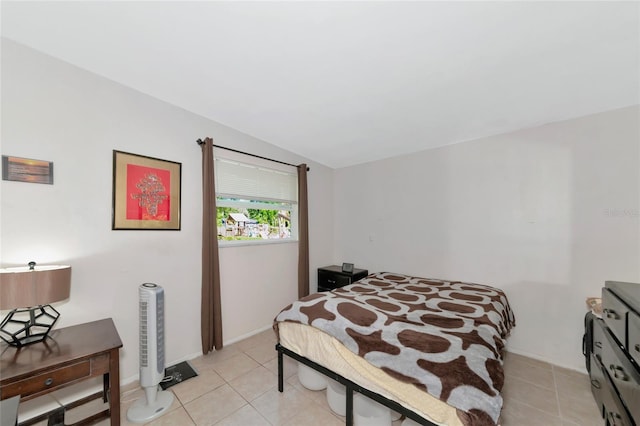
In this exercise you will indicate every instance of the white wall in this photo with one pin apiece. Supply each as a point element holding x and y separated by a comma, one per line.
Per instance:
<point>547,214</point>
<point>56,112</point>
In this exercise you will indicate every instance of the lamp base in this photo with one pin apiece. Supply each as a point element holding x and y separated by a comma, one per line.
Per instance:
<point>25,326</point>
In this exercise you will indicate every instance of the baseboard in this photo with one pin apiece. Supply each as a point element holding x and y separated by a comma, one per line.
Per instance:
<point>537,357</point>
<point>247,335</point>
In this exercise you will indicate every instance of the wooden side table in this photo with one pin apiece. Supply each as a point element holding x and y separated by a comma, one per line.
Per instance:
<point>68,356</point>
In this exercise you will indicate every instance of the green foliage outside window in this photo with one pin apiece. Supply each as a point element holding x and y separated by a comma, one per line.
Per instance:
<point>269,217</point>
<point>223,214</point>
<point>264,216</point>
<point>269,220</point>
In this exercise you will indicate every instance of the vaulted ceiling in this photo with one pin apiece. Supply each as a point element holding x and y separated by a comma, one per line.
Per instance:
<point>344,83</point>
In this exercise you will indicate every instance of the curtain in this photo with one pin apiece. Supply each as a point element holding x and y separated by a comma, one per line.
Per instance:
<point>303,233</point>
<point>211,310</point>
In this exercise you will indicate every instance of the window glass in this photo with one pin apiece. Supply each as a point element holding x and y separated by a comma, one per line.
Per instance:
<point>254,202</point>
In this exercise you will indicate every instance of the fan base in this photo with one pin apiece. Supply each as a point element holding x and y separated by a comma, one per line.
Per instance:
<point>143,412</point>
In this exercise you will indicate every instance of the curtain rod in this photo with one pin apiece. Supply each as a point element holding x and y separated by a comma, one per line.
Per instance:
<point>200,142</point>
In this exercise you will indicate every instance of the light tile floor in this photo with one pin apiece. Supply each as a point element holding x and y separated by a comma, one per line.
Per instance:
<point>237,386</point>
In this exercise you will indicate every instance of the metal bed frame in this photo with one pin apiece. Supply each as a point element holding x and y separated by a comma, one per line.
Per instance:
<point>349,385</point>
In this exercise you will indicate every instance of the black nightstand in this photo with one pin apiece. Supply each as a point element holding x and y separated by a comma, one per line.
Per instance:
<point>332,277</point>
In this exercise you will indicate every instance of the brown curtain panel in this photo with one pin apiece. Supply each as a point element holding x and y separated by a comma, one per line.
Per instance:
<point>303,233</point>
<point>211,310</point>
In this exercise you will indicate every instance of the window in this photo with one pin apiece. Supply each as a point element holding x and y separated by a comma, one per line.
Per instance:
<point>256,200</point>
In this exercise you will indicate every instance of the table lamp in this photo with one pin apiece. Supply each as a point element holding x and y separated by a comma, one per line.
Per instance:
<point>28,292</point>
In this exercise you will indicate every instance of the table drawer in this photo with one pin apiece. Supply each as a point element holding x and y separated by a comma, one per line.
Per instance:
<point>614,314</point>
<point>47,382</point>
<point>331,281</point>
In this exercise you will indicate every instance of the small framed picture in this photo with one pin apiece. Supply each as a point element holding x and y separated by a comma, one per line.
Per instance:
<point>146,192</point>
<point>27,170</point>
<point>347,267</point>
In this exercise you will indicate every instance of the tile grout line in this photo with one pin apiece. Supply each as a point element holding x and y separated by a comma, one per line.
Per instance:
<point>552,388</point>
<point>555,388</point>
<point>248,403</point>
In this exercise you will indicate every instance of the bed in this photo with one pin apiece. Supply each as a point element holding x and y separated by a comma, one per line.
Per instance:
<point>429,349</point>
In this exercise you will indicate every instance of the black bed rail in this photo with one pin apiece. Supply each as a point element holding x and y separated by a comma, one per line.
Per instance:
<point>349,385</point>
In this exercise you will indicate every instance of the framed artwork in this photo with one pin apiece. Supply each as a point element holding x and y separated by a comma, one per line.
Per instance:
<point>146,192</point>
<point>27,170</point>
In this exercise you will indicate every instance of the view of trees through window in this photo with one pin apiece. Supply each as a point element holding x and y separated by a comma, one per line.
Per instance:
<point>264,221</point>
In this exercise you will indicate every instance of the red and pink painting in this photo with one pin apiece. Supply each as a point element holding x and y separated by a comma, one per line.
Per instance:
<point>148,191</point>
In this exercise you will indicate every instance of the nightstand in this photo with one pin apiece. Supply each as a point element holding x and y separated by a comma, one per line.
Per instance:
<point>332,277</point>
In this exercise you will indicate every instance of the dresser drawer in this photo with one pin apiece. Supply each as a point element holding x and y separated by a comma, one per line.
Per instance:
<point>623,375</point>
<point>609,404</point>
<point>44,383</point>
<point>634,337</point>
<point>615,412</point>
<point>614,313</point>
<point>599,339</point>
<point>598,383</point>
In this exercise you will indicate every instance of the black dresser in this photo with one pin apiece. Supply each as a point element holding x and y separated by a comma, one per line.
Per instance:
<point>614,355</point>
<point>332,277</point>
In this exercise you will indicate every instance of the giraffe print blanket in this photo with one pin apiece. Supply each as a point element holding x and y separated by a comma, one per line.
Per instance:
<point>444,337</point>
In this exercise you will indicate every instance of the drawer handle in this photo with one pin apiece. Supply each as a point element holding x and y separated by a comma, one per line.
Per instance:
<point>615,417</point>
<point>595,384</point>
<point>637,347</point>
<point>618,373</point>
<point>331,281</point>
<point>610,313</point>
<point>48,382</point>
<point>597,345</point>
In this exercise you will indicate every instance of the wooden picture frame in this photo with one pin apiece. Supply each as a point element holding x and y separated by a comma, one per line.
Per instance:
<point>146,193</point>
<point>28,170</point>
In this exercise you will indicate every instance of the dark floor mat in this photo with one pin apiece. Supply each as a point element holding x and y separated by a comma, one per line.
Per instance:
<point>176,374</point>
